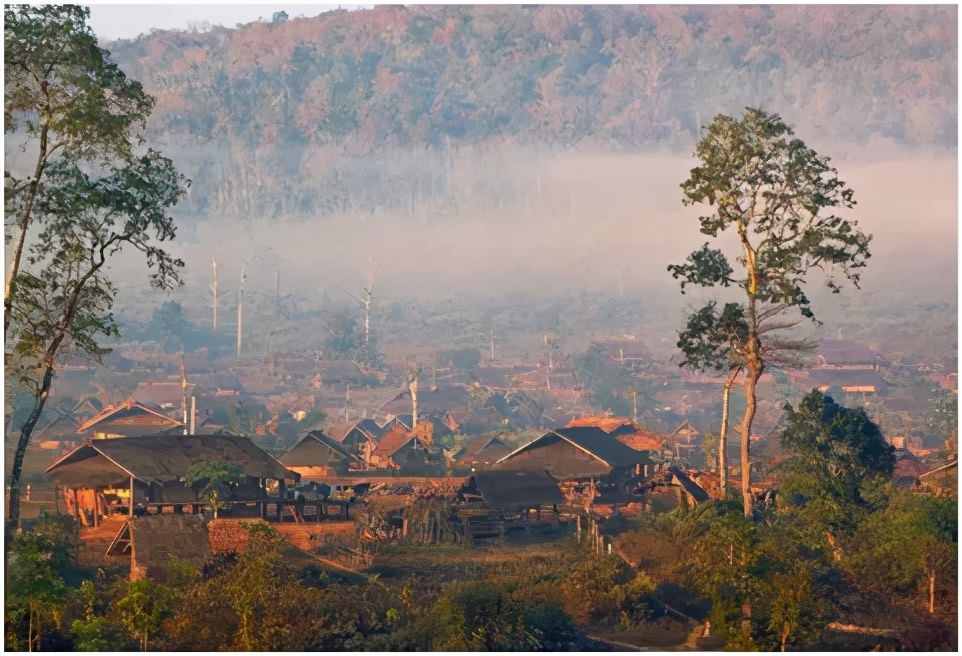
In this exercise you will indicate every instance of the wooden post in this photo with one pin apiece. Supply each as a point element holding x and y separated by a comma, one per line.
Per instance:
<point>130,510</point>
<point>282,497</point>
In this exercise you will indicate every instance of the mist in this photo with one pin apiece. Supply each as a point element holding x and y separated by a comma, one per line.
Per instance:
<point>525,223</point>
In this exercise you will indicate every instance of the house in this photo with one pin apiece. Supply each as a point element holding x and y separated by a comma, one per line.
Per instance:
<point>627,351</point>
<point>318,456</point>
<point>683,441</point>
<point>130,418</point>
<point>166,394</point>
<point>585,452</point>
<point>152,542</point>
<point>481,452</point>
<point>511,491</point>
<point>845,355</point>
<point>431,402</point>
<point>400,449</point>
<point>850,381</point>
<point>147,473</point>
<point>361,437</point>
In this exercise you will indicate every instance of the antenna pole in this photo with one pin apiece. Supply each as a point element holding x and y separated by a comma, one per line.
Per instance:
<point>213,289</point>
<point>240,311</point>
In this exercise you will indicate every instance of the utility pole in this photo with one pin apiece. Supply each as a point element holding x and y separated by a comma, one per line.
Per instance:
<point>183,399</point>
<point>413,389</point>
<point>347,403</point>
<point>492,343</point>
<point>548,345</point>
<point>240,310</point>
<point>213,289</point>
<point>366,299</point>
<point>193,415</point>
<point>277,292</point>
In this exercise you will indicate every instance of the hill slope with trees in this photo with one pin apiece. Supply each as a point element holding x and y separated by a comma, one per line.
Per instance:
<point>292,108</point>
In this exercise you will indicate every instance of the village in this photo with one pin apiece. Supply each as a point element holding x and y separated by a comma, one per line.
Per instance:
<point>467,328</point>
<point>506,446</point>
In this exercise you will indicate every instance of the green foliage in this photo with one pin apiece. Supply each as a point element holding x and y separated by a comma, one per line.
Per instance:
<point>711,340</point>
<point>217,478</point>
<point>142,610</point>
<point>759,179</point>
<point>608,383</point>
<point>833,451</point>
<point>912,538</point>
<point>94,194</point>
<point>37,562</point>
<point>93,631</point>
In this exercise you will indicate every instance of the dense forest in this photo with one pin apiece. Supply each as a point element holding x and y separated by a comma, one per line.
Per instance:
<point>281,117</point>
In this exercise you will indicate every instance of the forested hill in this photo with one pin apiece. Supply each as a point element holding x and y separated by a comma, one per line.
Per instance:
<point>277,101</point>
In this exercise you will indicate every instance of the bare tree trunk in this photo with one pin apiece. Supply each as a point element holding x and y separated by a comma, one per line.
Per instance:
<point>786,632</point>
<point>931,591</point>
<point>10,287</point>
<point>23,441</point>
<point>751,403</point>
<point>723,434</point>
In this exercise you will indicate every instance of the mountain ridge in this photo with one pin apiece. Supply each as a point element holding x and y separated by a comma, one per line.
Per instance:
<point>278,103</point>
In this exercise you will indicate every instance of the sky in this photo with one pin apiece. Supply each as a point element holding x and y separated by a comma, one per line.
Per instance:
<point>126,21</point>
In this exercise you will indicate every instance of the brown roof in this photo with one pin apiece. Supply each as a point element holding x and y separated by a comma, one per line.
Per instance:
<point>162,392</point>
<point>392,441</point>
<point>593,441</point>
<point>130,404</point>
<point>607,424</point>
<point>160,458</point>
<point>298,456</point>
<point>642,440</point>
<point>156,539</point>
<point>486,448</point>
<point>506,489</point>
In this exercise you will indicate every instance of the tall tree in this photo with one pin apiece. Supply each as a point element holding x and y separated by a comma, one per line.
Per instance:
<point>777,196</point>
<point>711,341</point>
<point>68,103</point>
<point>64,298</point>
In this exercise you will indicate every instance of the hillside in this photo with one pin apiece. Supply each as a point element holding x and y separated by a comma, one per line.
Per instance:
<point>277,118</point>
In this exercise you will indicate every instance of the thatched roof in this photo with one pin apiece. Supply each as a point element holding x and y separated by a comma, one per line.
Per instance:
<point>160,458</point>
<point>485,448</point>
<point>394,441</point>
<point>130,417</point>
<point>513,490</point>
<point>317,448</point>
<point>153,540</point>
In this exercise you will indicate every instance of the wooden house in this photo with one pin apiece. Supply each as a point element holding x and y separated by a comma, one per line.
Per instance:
<point>152,542</point>
<point>511,491</point>
<point>431,402</point>
<point>128,419</point>
<point>402,450</point>
<point>625,431</point>
<point>481,452</point>
<point>845,355</point>
<point>585,452</point>
<point>361,438</point>
<point>318,456</point>
<point>147,473</point>
<point>850,381</point>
